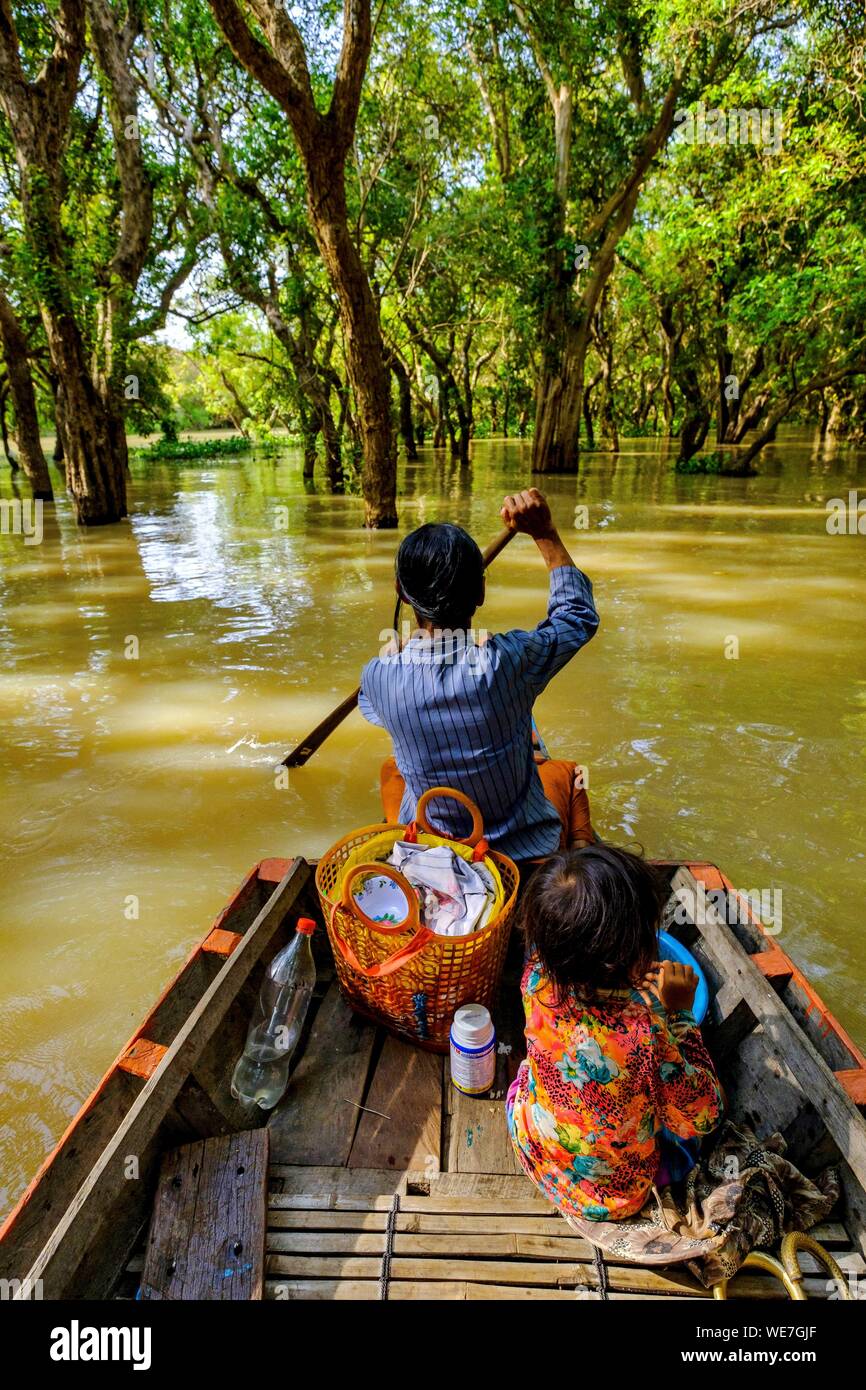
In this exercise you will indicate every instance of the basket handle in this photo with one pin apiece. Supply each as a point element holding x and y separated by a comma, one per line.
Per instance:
<point>410,922</point>
<point>476,833</point>
<point>423,935</point>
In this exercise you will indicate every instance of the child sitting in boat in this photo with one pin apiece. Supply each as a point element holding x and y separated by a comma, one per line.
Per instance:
<point>459,712</point>
<point>616,1070</point>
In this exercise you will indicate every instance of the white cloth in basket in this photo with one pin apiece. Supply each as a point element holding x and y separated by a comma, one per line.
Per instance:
<point>456,897</point>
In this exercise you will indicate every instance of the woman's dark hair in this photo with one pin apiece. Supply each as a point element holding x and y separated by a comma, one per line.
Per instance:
<point>440,572</point>
<point>591,917</point>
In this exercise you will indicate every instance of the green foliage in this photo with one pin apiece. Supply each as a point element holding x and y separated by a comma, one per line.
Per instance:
<point>191,450</point>
<point>741,263</point>
<point>702,463</point>
<point>149,372</point>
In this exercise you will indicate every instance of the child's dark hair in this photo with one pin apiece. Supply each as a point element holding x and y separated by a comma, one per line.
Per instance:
<point>440,572</point>
<point>591,917</point>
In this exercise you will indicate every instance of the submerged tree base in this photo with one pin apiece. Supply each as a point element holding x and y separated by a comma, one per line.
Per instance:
<point>716,464</point>
<point>747,471</point>
<point>375,520</point>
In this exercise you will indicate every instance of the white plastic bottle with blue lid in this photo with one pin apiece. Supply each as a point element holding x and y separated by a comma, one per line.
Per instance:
<point>473,1050</point>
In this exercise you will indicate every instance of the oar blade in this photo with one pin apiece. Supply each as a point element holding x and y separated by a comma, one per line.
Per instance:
<point>305,750</point>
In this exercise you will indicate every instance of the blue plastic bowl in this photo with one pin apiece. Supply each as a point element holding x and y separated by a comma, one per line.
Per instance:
<point>670,949</point>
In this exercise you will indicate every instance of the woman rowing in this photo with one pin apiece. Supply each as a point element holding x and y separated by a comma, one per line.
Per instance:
<point>459,712</point>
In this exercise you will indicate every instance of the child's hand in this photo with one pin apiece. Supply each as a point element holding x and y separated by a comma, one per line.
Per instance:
<point>677,986</point>
<point>672,983</point>
<point>648,989</point>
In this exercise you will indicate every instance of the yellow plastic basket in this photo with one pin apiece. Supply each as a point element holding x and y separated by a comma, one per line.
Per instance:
<point>401,974</point>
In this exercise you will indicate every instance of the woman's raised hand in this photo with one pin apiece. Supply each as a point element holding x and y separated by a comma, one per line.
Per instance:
<point>528,512</point>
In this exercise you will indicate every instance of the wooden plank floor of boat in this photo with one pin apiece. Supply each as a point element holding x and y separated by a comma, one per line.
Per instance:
<point>400,1148</point>
<point>385,1181</point>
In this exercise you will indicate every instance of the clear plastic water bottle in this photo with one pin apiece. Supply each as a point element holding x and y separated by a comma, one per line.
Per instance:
<point>262,1071</point>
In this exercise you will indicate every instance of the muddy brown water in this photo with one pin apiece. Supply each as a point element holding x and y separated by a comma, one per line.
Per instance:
<point>154,673</point>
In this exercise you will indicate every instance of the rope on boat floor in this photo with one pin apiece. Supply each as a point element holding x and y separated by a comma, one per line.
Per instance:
<point>390,1228</point>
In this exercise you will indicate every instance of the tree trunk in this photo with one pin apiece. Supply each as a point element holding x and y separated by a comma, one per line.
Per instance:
<point>671,338</point>
<point>835,427</point>
<point>404,393</point>
<point>333,452</point>
<point>426,408</point>
<point>449,390</point>
<point>645,405</point>
<point>313,381</point>
<point>241,412</point>
<point>738,426</point>
<point>824,415</point>
<point>464,429</point>
<point>58,455</point>
<point>724,362</point>
<point>39,114</point>
<point>559,407</point>
<point>448,431</point>
<point>324,142</point>
<point>588,422</point>
<point>95,473</point>
<point>607,420</point>
<point>113,43</point>
<point>693,434</point>
<point>4,429</point>
<point>559,388</point>
<point>857,419</point>
<point>565,331</point>
<point>697,417</point>
<point>604,344</point>
<point>440,432</point>
<point>743,464</point>
<point>748,419</point>
<point>309,435</point>
<point>365,356</point>
<point>32,459</point>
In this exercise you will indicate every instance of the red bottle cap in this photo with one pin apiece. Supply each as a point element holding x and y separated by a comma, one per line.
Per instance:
<point>306,926</point>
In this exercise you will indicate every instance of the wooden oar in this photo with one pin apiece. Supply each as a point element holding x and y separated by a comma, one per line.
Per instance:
<point>314,740</point>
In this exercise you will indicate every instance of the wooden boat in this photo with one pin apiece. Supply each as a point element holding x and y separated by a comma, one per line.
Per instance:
<point>383,1180</point>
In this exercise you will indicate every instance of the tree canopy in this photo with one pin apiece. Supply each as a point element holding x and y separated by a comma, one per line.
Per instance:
<point>567,220</point>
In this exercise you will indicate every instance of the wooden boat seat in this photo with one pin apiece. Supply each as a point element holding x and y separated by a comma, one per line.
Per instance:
<point>207,1231</point>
